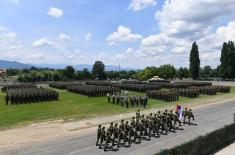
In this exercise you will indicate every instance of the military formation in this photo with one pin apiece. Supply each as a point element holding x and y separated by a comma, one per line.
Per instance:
<point>167,96</point>
<point>140,127</point>
<point>128,100</point>
<point>30,95</point>
<point>138,87</point>
<point>63,85</point>
<point>187,92</point>
<point>93,90</point>
<point>18,86</point>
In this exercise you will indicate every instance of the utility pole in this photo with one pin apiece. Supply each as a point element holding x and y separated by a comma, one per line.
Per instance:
<point>119,71</point>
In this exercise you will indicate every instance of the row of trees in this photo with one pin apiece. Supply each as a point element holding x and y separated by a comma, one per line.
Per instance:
<point>69,74</point>
<point>225,70</point>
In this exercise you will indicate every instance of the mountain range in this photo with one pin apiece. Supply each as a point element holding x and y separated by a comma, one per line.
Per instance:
<point>19,65</point>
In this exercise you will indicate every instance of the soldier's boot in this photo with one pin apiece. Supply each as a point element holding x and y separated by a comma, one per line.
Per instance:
<point>101,142</point>
<point>113,142</point>
<point>105,147</point>
<point>118,143</point>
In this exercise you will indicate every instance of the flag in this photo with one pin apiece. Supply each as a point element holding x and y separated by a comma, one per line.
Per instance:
<point>179,110</point>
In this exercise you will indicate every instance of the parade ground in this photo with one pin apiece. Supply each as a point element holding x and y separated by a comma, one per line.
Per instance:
<point>209,116</point>
<point>72,107</point>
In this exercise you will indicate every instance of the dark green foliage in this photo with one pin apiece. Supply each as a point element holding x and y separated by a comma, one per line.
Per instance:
<point>227,59</point>
<point>167,71</point>
<point>194,61</point>
<point>98,70</point>
<point>12,72</point>
<point>183,73</point>
<point>69,73</point>
<point>205,145</point>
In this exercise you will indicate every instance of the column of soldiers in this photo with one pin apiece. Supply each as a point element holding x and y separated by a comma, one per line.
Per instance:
<point>93,90</point>
<point>128,101</point>
<point>140,127</point>
<point>63,85</point>
<point>30,95</point>
<point>18,86</point>
<point>139,87</point>
<point>188,92</point>
<point>167,96</point>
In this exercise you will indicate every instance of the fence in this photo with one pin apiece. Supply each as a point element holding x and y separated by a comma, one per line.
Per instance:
<point>205,145</point>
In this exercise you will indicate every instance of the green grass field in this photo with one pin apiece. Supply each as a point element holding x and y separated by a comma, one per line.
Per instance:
<point>71,106</point>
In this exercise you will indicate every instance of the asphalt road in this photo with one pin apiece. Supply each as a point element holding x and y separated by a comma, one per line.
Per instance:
<point>208,118</point>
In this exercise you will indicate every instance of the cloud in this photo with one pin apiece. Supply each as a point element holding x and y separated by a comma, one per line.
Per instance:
<point>55,12</point>
<point>123,34</point>
<point>8,40</point>
<point>137,5</point>
<point>125,55</point>
<point>42,42</point>
<point>88,36</point>
<point>16,47</point>
<point>63,38</point>
<point>192,19</point>
<point>183,22</point>
<point>3,28</point>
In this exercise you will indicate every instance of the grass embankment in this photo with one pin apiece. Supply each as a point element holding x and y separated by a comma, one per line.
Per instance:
<point>74,106</point>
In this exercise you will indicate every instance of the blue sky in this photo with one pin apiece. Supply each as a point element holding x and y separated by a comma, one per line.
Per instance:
<point>134,33</point>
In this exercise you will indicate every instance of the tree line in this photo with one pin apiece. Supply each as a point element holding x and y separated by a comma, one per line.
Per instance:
<point>226,70</point>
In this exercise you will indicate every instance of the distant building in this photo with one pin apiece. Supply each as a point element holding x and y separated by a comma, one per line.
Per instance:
<point>3,72</point>
<point>157,79</point>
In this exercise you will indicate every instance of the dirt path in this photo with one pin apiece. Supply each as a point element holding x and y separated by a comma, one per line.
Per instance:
<point>39,132</point>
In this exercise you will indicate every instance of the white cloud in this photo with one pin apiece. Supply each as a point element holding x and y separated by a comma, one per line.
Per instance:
<point>42,42</point>
<point>3,29</point>
<point>16,47</point>
<point>226,33</point>
<point>55,12</point>
<point>88,36</point>
<point>125,55</point>
<point>192,19</point>
<point>123,34</point>
<point>63,38</point>
<point>137,5</point>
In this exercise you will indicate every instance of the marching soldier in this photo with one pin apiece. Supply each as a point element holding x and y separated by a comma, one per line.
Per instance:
<point>99,133</point>
<point>185,114</point>
<point>102,137</point>
<point>190,115</point>
<point>138,114</point>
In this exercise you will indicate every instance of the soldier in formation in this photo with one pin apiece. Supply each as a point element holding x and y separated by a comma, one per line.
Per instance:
<point>127,101</point>
<point>29,95</point>
<point>138,128</point>
<point>188,115</point>
<point>167,96</point>
<point>93,90</point>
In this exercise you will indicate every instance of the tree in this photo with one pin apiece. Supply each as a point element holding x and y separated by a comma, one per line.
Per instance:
<point>98,70</point>
<point>86,74</point>
<point>194,61</point>
<point>69,73</point>
<point>227,59</point>
<point>148,73</point>
<point>206,72</point>
<point>183,73</point>
<point>167,71</point>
